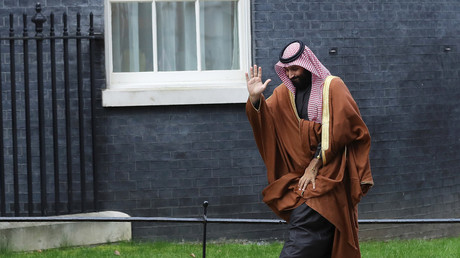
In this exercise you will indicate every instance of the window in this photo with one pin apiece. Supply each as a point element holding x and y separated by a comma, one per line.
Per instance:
<point>176,52</point>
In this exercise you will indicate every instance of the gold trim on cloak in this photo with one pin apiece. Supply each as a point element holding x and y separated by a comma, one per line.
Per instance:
<point>325,121</point>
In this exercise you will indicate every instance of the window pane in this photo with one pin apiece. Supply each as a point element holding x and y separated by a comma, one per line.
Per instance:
<point>176,35</point>
<point>219,35</point>
<point>132,37</point>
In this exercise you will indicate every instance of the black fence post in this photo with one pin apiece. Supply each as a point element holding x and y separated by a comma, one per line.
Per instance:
<point>25,44</point>
<point>2,153</point>
<point>14,130</point>
<point>57,190</point>
<point>81,117</point>
<point>39,19</point>
<point>93,110</point>
<point>68,115</point>
<point>205,222</point>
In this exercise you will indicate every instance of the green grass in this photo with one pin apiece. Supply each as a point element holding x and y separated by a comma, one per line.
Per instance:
<point>445,247</point>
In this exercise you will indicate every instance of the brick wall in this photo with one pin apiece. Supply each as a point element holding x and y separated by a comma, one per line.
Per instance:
<point>165,161</point>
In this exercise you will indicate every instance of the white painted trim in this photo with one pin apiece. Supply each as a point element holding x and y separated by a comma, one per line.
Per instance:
<point>108,41</point>
<point>178,88</point>
<point>154,36</point>
<point>174,96</point>
<point>198,35</point>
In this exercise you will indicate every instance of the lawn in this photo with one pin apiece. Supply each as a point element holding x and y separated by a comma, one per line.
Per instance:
<point>445,247</point>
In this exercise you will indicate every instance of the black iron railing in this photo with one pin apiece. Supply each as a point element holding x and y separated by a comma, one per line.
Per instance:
<point>50,68</point>
<point>204,220</point>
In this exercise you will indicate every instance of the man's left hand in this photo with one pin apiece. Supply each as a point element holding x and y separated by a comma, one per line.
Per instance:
<point>310,175</point>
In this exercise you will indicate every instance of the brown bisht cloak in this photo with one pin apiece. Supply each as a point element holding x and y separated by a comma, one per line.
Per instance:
<point>287,144</point>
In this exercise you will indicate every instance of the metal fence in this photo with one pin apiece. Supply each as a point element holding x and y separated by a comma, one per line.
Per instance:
<point>204,220</point>
<point>47,103</point>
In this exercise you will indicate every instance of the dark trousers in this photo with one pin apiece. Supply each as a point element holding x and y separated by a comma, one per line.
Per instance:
<point>310,235</point>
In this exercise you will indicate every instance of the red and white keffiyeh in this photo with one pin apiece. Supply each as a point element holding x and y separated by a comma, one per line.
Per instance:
<point>319,73</point>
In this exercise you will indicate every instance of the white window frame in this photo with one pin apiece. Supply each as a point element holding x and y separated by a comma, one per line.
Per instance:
<point>177,87</point>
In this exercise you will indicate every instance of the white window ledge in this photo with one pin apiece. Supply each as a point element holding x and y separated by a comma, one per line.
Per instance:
<point>178,95</point>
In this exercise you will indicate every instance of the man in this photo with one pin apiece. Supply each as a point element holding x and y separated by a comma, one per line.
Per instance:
<point>315,147</point>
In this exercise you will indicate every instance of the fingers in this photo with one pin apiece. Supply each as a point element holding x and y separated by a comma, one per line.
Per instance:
<point>266,83</point>
<point>303,183</point>
<point>254,72</point>
<point>264,86</point>
<point>254,77</point>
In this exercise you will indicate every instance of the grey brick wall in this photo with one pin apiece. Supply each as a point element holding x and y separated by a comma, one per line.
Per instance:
<point>165,161</point>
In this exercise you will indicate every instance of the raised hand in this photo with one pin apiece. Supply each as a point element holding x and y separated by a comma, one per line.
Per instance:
<point>254,83</point>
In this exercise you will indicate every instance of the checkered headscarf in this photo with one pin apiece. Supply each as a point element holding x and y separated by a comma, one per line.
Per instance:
<point>319,73</point>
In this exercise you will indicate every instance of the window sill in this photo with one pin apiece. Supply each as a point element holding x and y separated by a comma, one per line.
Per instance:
<point>178,95</point>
